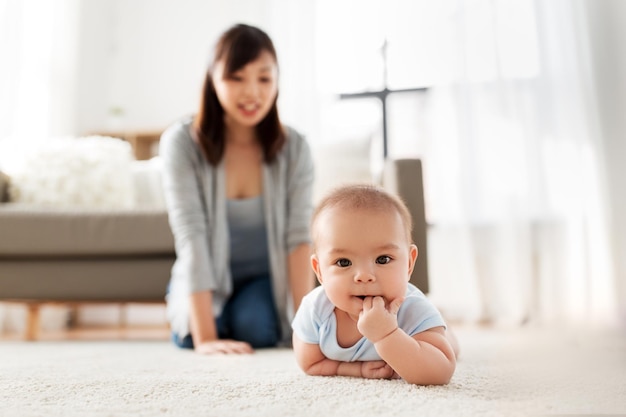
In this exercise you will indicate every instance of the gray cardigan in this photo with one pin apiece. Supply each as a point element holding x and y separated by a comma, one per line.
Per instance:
<point>196,203</point>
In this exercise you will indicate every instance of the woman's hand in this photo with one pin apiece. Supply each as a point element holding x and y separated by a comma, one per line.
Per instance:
<point>223,346</point>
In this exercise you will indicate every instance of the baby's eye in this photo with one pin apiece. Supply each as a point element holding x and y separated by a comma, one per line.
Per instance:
<point>343,262</point>
<point>265,80</point>
<point>383,259</point>
<point>235,77</point>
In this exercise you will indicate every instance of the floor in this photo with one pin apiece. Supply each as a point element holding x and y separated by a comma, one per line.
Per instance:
<point>525,371</point>
<point>98,333</point>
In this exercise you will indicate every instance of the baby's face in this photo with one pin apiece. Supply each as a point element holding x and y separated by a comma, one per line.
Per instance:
<point>362,253</point>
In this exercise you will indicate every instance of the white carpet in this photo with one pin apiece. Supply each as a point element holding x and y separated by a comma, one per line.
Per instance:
<point>499,373</point>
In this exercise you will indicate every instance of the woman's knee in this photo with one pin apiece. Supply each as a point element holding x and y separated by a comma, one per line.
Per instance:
<point>252,314</point>
<point>260,329</point>
<point>183,342</point>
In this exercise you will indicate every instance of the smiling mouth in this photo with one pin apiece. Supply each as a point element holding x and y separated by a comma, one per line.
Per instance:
<point>249,107</point>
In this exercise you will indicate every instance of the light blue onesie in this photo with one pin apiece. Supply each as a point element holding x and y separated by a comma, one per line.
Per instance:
<point>315,323</point>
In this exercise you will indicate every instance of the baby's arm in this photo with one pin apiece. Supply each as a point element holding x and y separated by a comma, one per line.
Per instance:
<point>313,362</point>
<point>424,359</point>
<point>427,358</point>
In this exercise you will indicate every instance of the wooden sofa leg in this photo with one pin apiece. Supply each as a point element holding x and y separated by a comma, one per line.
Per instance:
<point>32,323</point>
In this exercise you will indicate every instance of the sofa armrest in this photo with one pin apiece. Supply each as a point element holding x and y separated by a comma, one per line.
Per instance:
<point>4,187</point>
<point>403,177</point>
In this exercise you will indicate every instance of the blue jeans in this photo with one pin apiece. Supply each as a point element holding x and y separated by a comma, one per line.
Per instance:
<point>248,316</point>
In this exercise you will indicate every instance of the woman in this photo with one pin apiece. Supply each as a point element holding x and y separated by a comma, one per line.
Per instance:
<point>238,188</point>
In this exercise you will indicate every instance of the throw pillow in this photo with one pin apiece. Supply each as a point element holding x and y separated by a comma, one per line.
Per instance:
<point>93,171</point>
<point>339,162</point>
<point>147,183</point>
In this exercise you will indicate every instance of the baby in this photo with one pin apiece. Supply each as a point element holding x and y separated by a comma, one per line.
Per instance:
<point>366,319</point>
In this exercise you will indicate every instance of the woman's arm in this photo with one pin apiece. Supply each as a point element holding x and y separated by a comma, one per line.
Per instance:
<point>201,317</point>
<point>203,330</point>
<point>301,277</point>
<point>312,361</point>
<point>183,192</point>
<point>299,177</point>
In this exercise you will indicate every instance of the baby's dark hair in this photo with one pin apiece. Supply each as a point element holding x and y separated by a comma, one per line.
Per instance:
<point>363,197</point>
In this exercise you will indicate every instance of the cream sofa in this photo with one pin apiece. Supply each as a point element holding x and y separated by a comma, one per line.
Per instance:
<point>125,255</point>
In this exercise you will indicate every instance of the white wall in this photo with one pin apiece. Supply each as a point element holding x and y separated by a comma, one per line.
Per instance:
<point>149,57</point>
<point>93,81</point>
<point>608,40</point>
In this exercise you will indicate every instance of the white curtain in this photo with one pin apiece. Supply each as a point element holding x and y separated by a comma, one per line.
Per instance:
<point>508,133</point>
<point>514,169</point>
<point>38,49</point>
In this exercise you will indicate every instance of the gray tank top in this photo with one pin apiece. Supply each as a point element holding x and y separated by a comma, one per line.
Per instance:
<point>249,255</point>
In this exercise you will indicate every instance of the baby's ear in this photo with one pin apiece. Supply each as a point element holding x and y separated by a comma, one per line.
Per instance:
<point>412,258</point>
<point>315,264</point>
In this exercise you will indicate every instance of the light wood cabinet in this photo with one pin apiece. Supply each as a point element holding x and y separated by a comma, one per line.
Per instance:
<point>142,141</point>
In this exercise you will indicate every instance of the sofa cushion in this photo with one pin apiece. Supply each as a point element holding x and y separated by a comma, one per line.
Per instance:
<point>85,279</point>
<point>31,231</point>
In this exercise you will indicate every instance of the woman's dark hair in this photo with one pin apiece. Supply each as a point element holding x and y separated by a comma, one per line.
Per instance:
<point>237,47</point>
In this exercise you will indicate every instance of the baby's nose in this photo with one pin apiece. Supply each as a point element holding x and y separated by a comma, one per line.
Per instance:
<point>363,275</point>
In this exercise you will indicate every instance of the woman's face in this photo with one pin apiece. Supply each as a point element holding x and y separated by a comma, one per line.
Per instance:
<point>248,94</point>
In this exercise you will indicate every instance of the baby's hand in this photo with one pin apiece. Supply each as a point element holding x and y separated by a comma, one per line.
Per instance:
<point>376,370</point>
<point>376,321</point>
